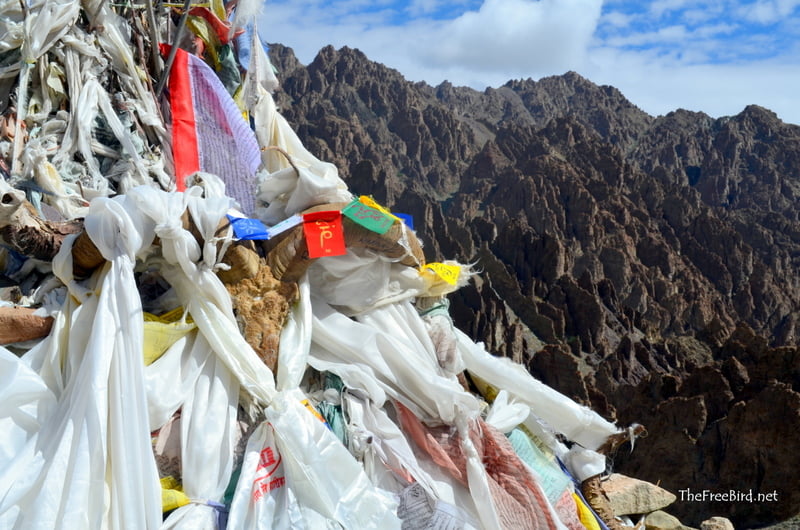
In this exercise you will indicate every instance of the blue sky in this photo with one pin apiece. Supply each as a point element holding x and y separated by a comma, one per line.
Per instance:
<point>711,56</point>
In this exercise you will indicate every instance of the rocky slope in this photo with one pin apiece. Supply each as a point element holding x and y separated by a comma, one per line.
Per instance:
<point>646,266</point>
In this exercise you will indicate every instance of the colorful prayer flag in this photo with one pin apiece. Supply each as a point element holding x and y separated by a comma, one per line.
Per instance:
<point>448,273</point>
<point>370,218</point>
<point>324,234</point>
<point>208,131</point>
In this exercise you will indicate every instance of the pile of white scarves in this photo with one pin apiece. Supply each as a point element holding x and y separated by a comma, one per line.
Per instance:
<point>77,409</point>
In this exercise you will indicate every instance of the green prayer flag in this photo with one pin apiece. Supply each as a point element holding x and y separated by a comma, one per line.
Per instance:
<point>368,217</point>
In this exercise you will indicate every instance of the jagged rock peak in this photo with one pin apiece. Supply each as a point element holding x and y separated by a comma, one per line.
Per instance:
<point>284,59</point>
<point>757,112</point>
<point>352,65</point>
<point>568,79</point>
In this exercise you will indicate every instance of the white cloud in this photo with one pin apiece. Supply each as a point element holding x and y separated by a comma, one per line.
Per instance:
<point>422,7</point>
<point>666,35</point>
<point>516,35</point>
<point>416,8</point>
<point>658,67</point>
<point>658,87</point>
<point>617,19</point>
<point>698,16</point>
<point>501,40</point>
<point>768,11</point>
<point>660,7</point>
<point>715,30</point>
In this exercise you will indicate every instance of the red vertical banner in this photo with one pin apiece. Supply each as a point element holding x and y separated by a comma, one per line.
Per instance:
<point>185,149</point>
<point>324,234</point>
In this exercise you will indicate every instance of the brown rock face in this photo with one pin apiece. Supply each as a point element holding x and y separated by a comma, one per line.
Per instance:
<point>656,260</point>
<point>722,431</point>
<point>759,458</point>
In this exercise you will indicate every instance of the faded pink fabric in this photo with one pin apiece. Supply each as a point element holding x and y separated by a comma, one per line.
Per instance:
<point>567,512</point>
<point>519,502</point>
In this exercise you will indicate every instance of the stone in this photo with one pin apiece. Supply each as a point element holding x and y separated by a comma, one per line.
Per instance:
<point>659,520</point>
<point>592,491</point>
<point>716,523</point>
<point>19,324</point>
<point>629,496</point>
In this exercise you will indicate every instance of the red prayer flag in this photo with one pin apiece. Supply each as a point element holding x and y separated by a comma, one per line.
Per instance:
<point>221,27</point>
<point>185,148</point>
<point>208,131</point>
<point>324,234</point>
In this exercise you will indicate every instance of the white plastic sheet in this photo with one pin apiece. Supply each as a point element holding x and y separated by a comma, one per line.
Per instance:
<point>576,422</point>
<point>584,463</point>
<point>387,352</point>
<point>263,500</point>
<point>506,415</point>
<point>286,191</point>
<point>24,401</point>
<point>11,26</point>
<point>362,280</point>
<point>189,376</point>
<point>297,474</point>
<point>170,378</point>
<point>91,465</point>
<point>208,437</point>
<point>295,340</point>
<point>48,358</point>
<point>323,475</point>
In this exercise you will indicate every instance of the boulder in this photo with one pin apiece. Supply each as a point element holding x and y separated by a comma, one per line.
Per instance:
<point>633,496</point>
<point>18,324</point>
<point>716,523</point>
<point>659,520</point>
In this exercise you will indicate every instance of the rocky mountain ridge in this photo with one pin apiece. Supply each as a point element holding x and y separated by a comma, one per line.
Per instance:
<point>646,266</point>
